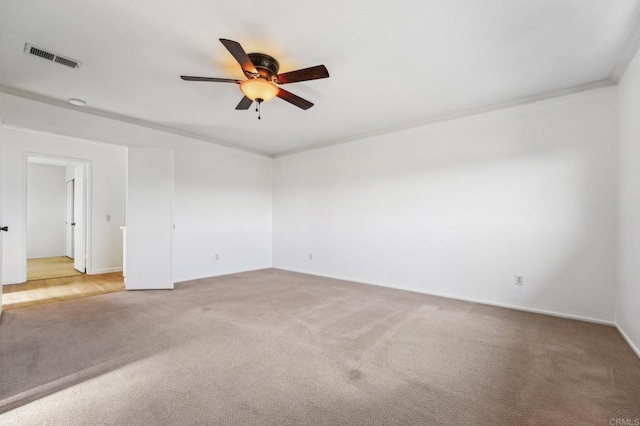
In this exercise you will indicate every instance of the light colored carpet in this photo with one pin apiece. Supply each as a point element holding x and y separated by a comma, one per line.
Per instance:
<point>278,348</point>
<point>44,268</point>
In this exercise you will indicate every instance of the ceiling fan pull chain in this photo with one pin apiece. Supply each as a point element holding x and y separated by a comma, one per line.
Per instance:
<point>258,109</point>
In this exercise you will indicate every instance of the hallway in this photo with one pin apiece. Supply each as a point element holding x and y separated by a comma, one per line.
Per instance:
<point>50,267</point>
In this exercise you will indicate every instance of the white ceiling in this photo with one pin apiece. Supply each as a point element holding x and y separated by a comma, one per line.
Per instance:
<point>391,62</point>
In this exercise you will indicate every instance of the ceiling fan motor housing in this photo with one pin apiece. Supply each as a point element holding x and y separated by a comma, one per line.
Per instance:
<point>266,65</point>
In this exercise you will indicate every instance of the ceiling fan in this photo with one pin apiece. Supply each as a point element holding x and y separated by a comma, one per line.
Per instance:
<point>262,80</point>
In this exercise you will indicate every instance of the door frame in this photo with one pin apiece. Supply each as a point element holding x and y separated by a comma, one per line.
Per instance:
<point>88,171</point>
<point>68,240</point>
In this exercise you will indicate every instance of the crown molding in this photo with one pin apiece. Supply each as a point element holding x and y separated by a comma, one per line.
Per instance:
<point>456,115</point>
<point>447,117</point>
<point>58,133</point>
<point>123,118</point>
<point>627,56</point>
<point>625,59</point>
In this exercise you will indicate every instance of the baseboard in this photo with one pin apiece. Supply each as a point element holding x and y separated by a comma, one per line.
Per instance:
<point>184,280</point>
<point>9,281</point>
<point>465,299</point>
<point>632,345</point>
<point>47,256</point>
<point>105,270</point>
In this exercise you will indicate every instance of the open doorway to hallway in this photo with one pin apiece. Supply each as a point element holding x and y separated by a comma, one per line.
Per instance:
<point>57,194</point>
<point>104,175</point>
<point>56,237</point>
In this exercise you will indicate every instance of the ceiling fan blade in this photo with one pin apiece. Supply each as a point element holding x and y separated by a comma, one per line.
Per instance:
<point>217,80</point>
<point>312,73</point>
<point>245,103</point>
<point>241,56</point>
<point>294,99</point>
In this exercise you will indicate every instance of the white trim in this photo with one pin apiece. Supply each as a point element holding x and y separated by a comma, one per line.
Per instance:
<point>456,115</point>
<point>124,119</point>
<point>104,270</point>
<point>634,348</point>
<point>626,57</point>
<point>225,273</point>
<point>173,217</point>
<point>44,257</point>
<point>465,299</point>
<point>11,281</point>
<point>1,215</point>
<point>61,134</point>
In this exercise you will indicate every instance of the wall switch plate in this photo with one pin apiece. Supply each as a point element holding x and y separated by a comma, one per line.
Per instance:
<point>217,257</point>
<point>108,218</point>
<point>310,256</point>
<point>519,280</point>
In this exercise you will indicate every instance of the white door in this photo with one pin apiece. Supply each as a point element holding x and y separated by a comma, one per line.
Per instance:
<point>149,219</point>
<point>79,220</point>
<point>68,220</point>
<point>1,224</point>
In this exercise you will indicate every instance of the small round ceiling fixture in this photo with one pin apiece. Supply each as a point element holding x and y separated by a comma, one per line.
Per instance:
<point>77,102</point>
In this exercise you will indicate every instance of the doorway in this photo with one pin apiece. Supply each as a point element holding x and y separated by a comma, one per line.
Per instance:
<point>57,193</point>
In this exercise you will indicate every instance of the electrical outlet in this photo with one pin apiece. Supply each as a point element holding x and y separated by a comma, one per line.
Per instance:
<point>217,257</point>
<point>519,280</point>
<point>310,256</point>
<point>108,218</point>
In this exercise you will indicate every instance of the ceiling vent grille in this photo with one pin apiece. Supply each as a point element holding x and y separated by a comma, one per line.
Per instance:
<point>68,62</point>
<point>50,56</point>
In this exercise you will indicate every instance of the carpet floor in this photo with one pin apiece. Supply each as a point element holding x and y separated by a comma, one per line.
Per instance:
<point>278,348</point>
<point>43,268</point>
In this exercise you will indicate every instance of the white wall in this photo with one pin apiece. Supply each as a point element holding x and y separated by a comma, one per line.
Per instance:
<point>108,181</point>
<point>222,195</point>
<point>459,208</point>
<point>46,208</point>
<point>222,204</point>
<point>629,226</point>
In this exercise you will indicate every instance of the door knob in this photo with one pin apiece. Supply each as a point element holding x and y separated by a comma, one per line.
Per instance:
<point>5,229</point>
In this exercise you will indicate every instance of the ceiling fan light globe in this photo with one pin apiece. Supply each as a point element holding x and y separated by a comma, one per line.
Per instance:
<point>259,88</point>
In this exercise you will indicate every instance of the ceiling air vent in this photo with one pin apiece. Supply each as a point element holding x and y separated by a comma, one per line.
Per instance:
<point>68,62</point>
<point>42,53</point>
<point>50,56</point>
